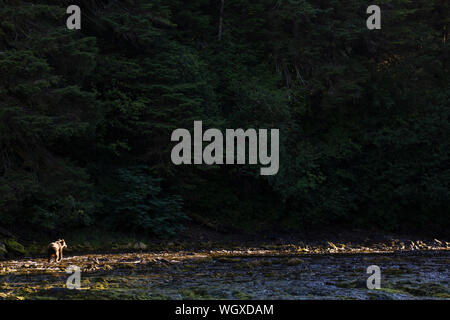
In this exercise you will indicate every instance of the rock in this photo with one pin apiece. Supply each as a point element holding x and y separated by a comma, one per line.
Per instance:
<point>3,251</point>
<point>332,245</point>
<point>14,248</point>
<point>140,246</point>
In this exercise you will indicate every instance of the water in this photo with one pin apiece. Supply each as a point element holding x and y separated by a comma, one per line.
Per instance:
<point>231,275</point>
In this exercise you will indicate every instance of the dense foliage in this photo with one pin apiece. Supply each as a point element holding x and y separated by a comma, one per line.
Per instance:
<point>86,115</point>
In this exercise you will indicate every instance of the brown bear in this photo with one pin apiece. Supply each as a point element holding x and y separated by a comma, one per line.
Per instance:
<point>56,249</point>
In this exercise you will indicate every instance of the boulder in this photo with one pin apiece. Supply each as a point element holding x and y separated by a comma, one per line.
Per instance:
<point>140,246</point>
<point>3,251</point>
<point>13,247</point>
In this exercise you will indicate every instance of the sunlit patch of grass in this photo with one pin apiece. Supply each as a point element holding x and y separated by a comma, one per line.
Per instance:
<point>442,295</point>
<point>100,284</point>
<point>391,290</point>
<point>427,290</point>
